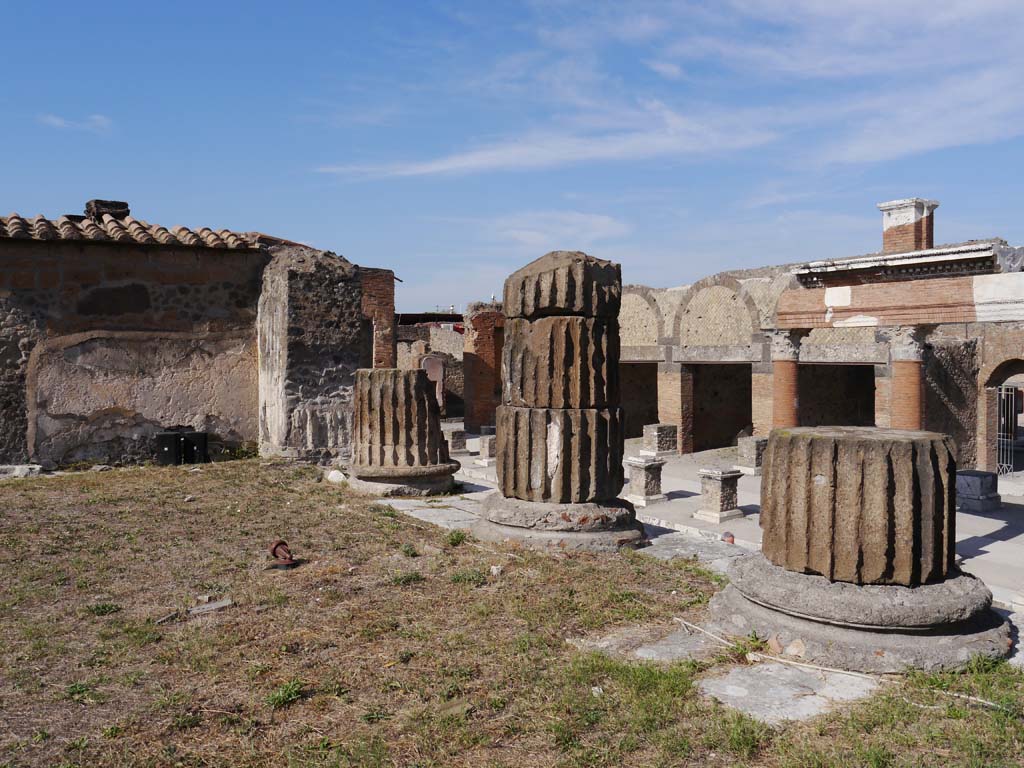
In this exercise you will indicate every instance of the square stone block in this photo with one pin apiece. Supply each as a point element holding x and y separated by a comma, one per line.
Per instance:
<point>660,440</point>
<point>977,491</point>
<point>750,454</point>
<point>644,480</point>
<point>456,442</point>
<point>488,450</point>
<point>719,490</point>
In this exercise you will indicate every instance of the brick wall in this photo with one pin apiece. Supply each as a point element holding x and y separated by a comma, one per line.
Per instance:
<point>481,358</point>
<point>675,401</point>
<point>914,236</point>
<point>378,287</point>
<point>883,396</point>
<point>761,401</point>
<point>640,404</point>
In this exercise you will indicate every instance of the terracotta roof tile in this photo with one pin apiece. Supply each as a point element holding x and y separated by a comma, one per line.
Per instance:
<point>126,230</point>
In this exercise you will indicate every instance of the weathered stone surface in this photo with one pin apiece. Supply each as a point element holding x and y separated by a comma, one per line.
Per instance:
<point>561,456</point>
<point>594,516</point>
<point>750,451</point>
<point>941,647</point>
<point>858,504</point>
<point>564,283</point>
<point>644,480</point>
<point>977,491</point>
<point>561,362</point>
<point>719,493</point>
<point>397,426</point>
<point>660,440</point>
<point>876,606</point>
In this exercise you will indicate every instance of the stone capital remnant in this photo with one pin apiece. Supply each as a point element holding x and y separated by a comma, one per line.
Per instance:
<point>399,448</point>
<point>857,557</point>
<point>559,438</point>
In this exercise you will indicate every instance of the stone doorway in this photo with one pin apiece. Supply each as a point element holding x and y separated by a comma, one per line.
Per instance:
<point>721,404</point>
<point>836,395</point>
<point>638,383</point>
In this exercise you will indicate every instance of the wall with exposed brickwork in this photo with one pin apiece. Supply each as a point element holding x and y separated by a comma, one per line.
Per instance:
<point>481,359</point>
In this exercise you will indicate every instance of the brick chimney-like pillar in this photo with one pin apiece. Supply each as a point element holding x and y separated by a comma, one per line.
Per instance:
<point>908,225</point>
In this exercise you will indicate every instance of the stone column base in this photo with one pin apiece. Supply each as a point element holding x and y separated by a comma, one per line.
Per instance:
<point>631,537</point>
<point>394,481</point>
<point>646,501</point>
<point>873,628</point>
<point>981,504</point>
<point>592,527</point>
<point>717,516</point>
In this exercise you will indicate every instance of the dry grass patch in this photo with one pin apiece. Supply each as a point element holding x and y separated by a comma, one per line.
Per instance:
<point>392,645</point>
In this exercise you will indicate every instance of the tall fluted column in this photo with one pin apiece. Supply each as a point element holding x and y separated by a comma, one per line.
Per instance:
<point>559,428</point>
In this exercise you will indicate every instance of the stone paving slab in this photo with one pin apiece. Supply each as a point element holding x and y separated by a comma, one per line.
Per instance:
<point>712,552</point>
<point>645,643</point>
<point>775,693</point>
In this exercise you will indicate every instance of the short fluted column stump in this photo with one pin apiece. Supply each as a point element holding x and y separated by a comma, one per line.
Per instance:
<point>399,448</point>
<point>857,569</point>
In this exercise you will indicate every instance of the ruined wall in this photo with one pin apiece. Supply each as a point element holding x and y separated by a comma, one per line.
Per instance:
<point>836,395</point>
<point>314,334</point>
<point>106,394</point>
<point>638,383</point>
<point>55,291</point>
<point>639,319</point>
<point>951,390</point>
<point>484,341</point>
<point>715,315</point>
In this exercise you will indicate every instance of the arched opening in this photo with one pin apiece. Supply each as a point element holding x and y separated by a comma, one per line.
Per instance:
<point>1004,426</point>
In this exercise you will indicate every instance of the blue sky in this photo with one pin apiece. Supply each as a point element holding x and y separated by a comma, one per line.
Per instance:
<point>453,142</point>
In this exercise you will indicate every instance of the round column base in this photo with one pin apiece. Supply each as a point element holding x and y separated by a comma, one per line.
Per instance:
<point>877,649</point>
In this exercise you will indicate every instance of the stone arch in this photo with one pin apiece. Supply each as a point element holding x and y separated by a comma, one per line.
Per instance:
<point>716,311</point>
<point>990,379</point>
<point>640,323</point>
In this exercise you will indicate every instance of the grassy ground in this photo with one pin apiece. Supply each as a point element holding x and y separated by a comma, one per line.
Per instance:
<point>393,645</point>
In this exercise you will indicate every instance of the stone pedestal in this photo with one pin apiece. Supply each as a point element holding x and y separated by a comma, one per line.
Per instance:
<point>559,428</point>
<point>718,490</point>
<point>977,491</point>
<point>857,567</point>
<point>660,441</point>
<point>399,448</point>
<point>456,442</point>
<point>644,480</point>
<point>488,445</point>
<point>750,454</point>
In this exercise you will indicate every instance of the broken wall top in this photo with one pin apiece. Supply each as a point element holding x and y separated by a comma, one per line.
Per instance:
<point>564,283</point>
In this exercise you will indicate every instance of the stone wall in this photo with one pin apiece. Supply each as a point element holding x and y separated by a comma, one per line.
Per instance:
<point>314,333</point>
<point>123,298</point>
<point>836,395</point>
<point>484,341</point>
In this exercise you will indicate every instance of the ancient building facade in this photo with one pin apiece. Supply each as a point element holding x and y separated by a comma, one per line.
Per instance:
<point>113,329</point>
<point>914,336</point>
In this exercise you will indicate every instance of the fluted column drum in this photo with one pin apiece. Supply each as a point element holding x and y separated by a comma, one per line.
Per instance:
<point>860,504</point>
<point>397,426</point>
<point>559,429</point>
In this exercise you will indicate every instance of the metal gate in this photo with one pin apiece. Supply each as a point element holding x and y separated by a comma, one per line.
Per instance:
<point>1006,431</point>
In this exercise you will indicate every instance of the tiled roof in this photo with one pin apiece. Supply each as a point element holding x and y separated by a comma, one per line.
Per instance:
<point>126,229</point>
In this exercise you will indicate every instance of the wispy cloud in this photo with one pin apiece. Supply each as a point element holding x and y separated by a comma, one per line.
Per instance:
<point>668,134</point>
<point>92,123</point>
<point>667,69</point>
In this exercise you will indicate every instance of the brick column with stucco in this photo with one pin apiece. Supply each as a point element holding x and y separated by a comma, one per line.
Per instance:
<point>675,401</point>
<point>883,395</point>
<point>906,397</point>
<point>908,225</point>
<point>785,349</point>
<point>481,363</point>
<point>379,307</point>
